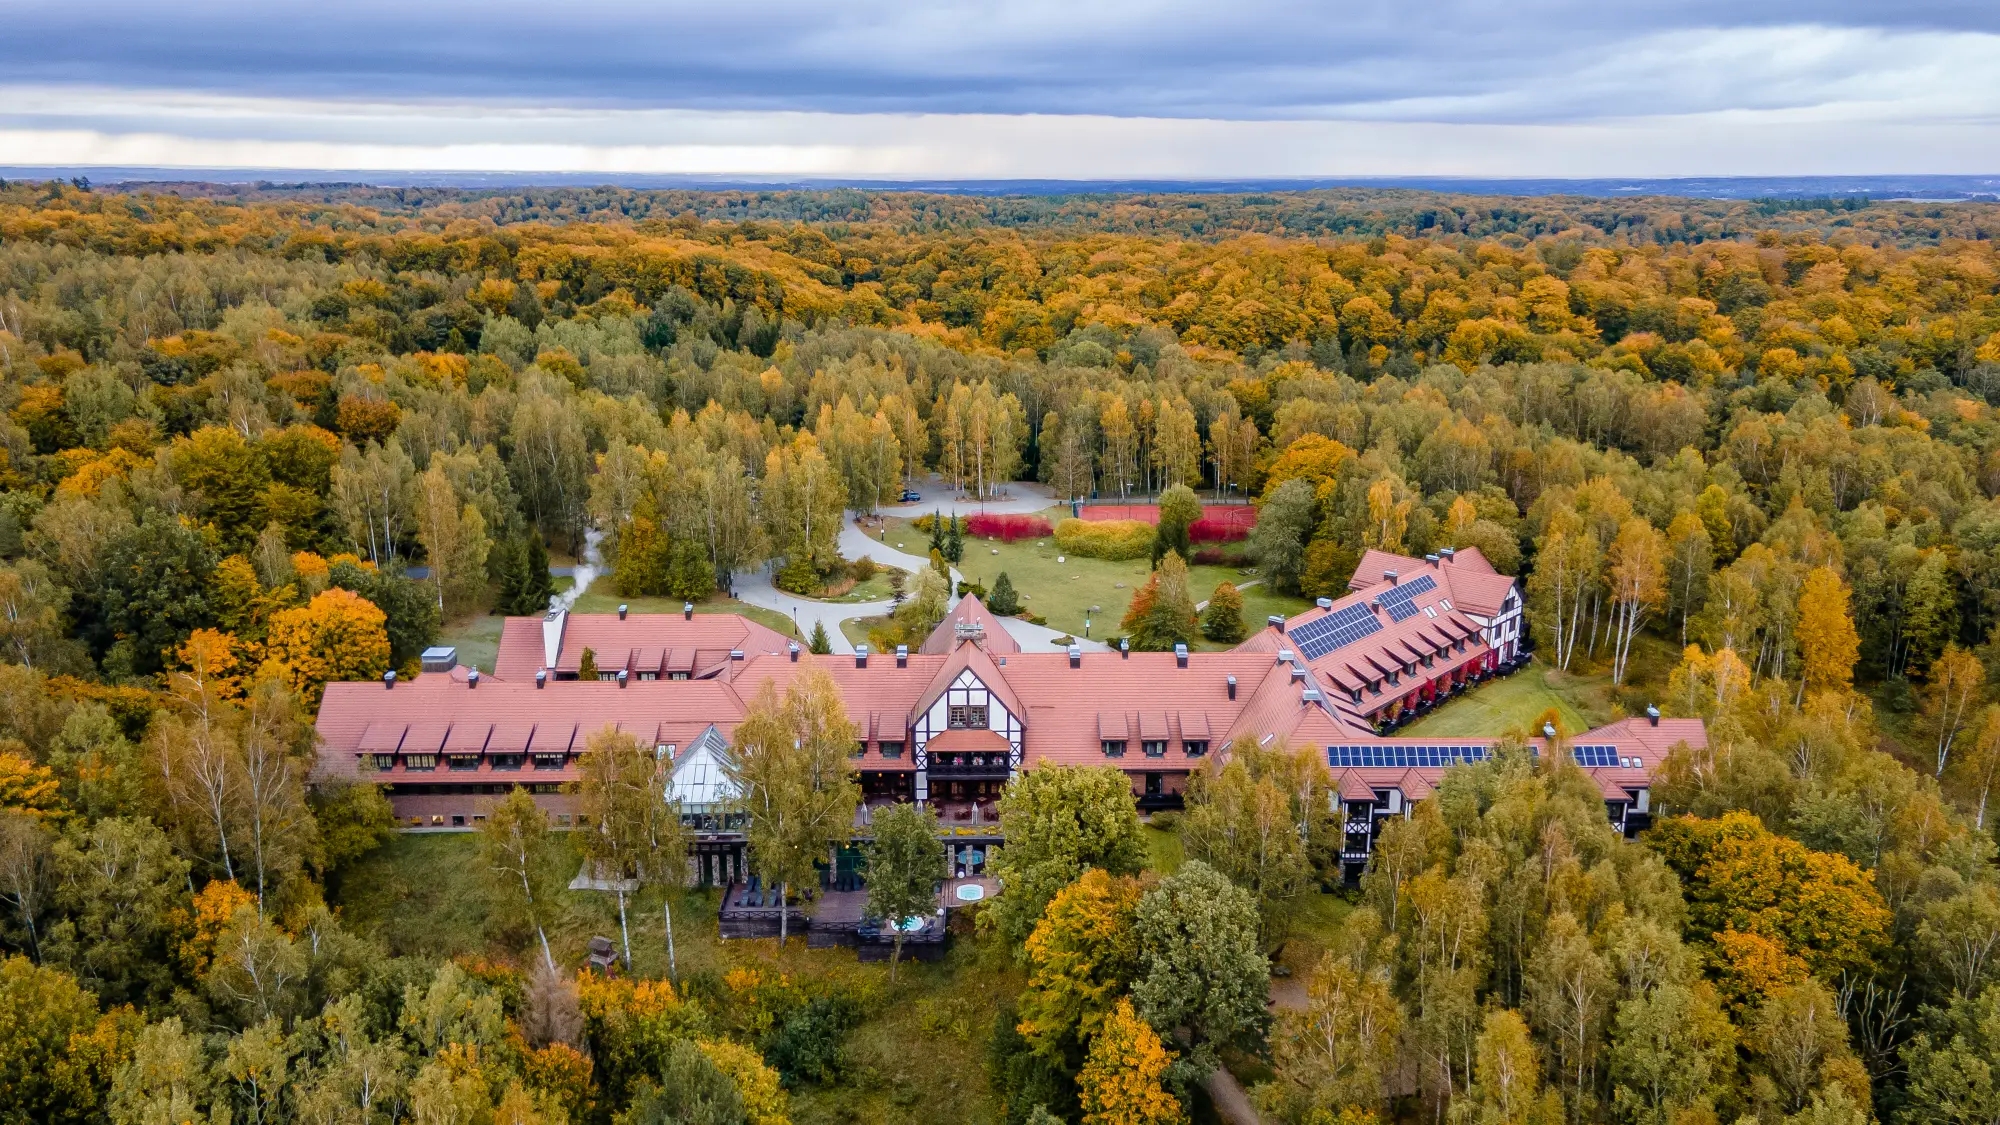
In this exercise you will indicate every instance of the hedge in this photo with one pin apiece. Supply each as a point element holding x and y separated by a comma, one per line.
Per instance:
<point>1005,528</point>
<point>1105,539</point>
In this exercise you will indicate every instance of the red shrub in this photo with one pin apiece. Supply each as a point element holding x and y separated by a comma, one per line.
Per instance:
<point>1218,528</point>
<point>1007,529</point>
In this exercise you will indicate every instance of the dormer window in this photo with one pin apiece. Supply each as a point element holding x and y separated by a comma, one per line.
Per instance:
<point>1114,747</point>
<point>1154,747</point>
<point>1195,747</point>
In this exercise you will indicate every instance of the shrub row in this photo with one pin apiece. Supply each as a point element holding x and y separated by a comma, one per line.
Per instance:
<point>1007,529</point>
<point>1217,529</point>
<point>1105,539</point>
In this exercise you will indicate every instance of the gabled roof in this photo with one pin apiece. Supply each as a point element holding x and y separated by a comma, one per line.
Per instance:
<point>969,657</point>
<point>1352,788</point>
<point>970,613</point>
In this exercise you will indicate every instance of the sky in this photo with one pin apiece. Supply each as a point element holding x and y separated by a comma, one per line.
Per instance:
<point>1037,89</point>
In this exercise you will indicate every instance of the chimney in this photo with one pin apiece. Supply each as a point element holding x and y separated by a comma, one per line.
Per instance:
<point>1124,648</point>
<point>687,611</point>
<point>1076,656</point>
<point>735,654</point>
<point>902,656</point>
<point>1284,656</point>
<point>1298,673</point>
<point>1389,576</point>
<point>1180,656</point>
<point>1447,553</point>
<point>389,680</point>
<point>472,678</point>
<point>622,607</point>
<point>1310,695</point>
<point>541,679</point>
<point>1324,603</point>
<point>1276,621</point>
<point>861,656</point>
<point>1549,731</point>
<point>622,675</point>
<point>1232,687</point>
<point>792,649</point>
<point>1652,715</point>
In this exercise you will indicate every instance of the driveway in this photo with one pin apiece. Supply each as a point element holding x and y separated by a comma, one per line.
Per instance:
<point>1021,497</point>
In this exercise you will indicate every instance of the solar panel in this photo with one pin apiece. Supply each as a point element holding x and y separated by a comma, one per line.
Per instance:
<point>1336,630</point>
<point>1398,600</point>
<point>1588,756</point>
<point>1379,755</point>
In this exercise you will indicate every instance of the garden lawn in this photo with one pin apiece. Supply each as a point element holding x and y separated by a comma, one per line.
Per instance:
<point>477,639</point>
<point>1513,703</point>
<point>603,597</point>
<point>1062,592</point>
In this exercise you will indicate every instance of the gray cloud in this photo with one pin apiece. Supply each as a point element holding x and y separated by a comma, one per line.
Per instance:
<point>1439,60</point>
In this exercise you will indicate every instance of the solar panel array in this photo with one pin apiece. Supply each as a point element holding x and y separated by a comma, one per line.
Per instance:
<point>1399,600</point>
<point>1336,630</point>
<point>1595,755</point>
<point>1379,754</point>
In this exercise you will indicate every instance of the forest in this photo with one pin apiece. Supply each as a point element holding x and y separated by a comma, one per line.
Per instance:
<point>1744,456</point>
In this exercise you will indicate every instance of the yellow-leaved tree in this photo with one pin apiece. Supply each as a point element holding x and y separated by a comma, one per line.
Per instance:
<point>339,635</point>
<point>1828,644</point>
<point>1123,1081</point>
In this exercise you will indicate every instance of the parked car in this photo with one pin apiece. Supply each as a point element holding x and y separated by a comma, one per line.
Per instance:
<point>910,496</point>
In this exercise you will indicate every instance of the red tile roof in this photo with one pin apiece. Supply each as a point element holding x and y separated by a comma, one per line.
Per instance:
<point>972,613</point>
<point>699,645</point>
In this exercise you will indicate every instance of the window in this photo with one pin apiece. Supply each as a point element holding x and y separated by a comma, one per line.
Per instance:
<point>677,675</point>
<point>647,677</point>
<point>461,761</point>
<point>458,820</point>
<point>1114,747</point>
<point>1195,747</point>
<point>385,761</point>
<point>1154,748</point>
<point>437,818</point>
<point>607,676</point>
<point>507,761</point>
<point>549,761</point>
<point>420,761</point>
<point>891,749</point>
<point>1355,695</point>
<point>967,716</point>
<point>861,749</point>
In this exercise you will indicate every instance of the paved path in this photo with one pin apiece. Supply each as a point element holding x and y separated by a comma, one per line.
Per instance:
<point>754,587</point>
<point>1230,1100</point>
<point>1021,497</point>
<point>1041,638</point>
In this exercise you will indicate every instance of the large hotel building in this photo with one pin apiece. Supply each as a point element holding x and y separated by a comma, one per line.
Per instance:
<point>951,722</point>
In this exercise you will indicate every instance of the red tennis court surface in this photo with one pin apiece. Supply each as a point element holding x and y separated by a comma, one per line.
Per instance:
<point>1216,525</point>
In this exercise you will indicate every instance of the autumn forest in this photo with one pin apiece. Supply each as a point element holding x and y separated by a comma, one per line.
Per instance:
<point>1744,456</point>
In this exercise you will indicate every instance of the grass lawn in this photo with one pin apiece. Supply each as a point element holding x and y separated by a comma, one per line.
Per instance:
<point>918,1056</point>
<point>477,639</point>
<point>1164,850</point>
<point>603,597</point>
<point>1062,592</point>
<point>1512,704</point>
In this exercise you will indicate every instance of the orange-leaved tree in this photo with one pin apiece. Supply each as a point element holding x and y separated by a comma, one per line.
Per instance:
<point>339,635</point>
<point>1082,956</point>
<point>1123,1081</point>
<point>1828,644</point>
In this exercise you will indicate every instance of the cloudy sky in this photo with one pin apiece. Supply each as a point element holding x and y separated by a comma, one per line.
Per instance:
<point>1114,88</point>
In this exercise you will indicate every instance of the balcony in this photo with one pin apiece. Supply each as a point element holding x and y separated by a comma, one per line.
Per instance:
<point>969,767</point>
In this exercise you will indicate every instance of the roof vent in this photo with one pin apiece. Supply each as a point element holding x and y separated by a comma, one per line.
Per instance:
<point>1284,656</point>
<point>1298,673</point>
<point>1180,656</point>
<point>541,679</point>
<point>1548,730</point>
<point>1076,656</point>
<point>1125,648</point>
<point>1447,553</point>
<point>1324,603</point>
<point>472,678</point>
<point>623,675</point>
<point>439,658</point>
<point>902,656</point>
<point>1389,576</point>
<point>792,650</point>
<point>735,654</point>
<point>861,656</point>
<point>622,610</point>
<point>389,680</point>
<point>1276,621</point>
<point>1431,559</point>
<point>1310,695</point>
<point>1232,687</point>
<point>687,611</point>
<point>1652,715</point>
